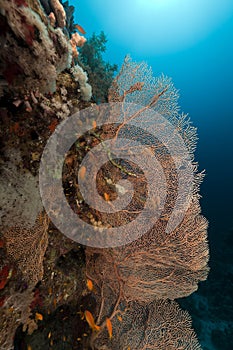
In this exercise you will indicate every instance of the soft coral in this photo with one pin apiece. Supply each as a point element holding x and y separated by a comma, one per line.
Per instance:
<point>21,3</point>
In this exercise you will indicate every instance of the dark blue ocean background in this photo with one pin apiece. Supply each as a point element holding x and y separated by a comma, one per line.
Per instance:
<point>202,71</point>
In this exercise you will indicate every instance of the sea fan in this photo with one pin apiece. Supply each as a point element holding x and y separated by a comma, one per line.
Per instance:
<point>136,281</point>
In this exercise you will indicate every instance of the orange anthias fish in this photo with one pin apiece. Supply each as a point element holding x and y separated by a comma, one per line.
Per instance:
<point>80,29</point>
<point>109,327</point>
<point>90,320</point>
<point>89,285</point>
<point>106,196</point>
<point>119,318</point>
<point>39,316</point>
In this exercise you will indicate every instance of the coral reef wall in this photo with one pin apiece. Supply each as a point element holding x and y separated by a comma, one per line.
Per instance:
<point>34,52</point>
<point>125,294</point>
<point>37,90</point>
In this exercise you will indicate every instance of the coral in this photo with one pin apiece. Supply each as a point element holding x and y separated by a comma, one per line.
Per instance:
<point>62,107</point>
<point>160,325</point>
<point>156,265</point>
<point>26,247</point>
<point>64,58</point>
<point>16,299</point>
<point>81,77</point>
<point>34,53</point>
<point>52,19</point>
<point>15,311</point>
<point>159,264</point>
<point>100,73</point>
<point>59,12</point>
<point>77,40</point>
<point>132,73</point>
<point>20,198</point>
<point>68,97</point>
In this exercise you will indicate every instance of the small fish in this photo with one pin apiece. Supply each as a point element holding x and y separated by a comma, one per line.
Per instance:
<point>29,347</point>
<point>39,316</point>
<point>82,172</point>
<point>109,327</point>
<point>106,196</point>
<point>94,124</point>
<point>89,285</point>
<point>119,318</point>
<point>80,29</point>
<point>90,320</point>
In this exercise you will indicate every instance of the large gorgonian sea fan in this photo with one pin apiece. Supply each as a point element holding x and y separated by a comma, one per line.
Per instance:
<point>137,280</point>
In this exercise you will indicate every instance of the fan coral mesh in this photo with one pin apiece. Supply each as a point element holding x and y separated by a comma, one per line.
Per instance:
<point>160,264</point>
<point>158,325</point>
<point>26,247</point>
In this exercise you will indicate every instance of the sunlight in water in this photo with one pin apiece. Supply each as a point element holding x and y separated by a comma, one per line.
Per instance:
<point>160,26</point>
